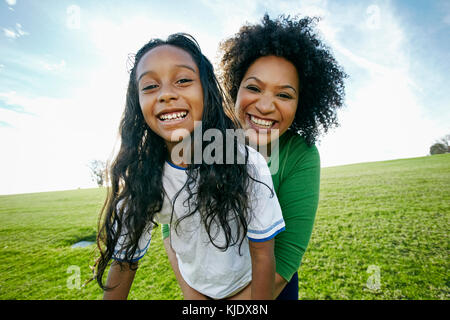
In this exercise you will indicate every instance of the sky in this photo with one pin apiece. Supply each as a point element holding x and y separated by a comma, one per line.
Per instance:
<point>63,76</point>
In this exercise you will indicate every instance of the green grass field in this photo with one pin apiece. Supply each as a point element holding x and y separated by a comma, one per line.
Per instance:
<point>381,232</point>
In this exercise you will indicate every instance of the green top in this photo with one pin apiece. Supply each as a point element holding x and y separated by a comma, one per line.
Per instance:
<point>296,184</point>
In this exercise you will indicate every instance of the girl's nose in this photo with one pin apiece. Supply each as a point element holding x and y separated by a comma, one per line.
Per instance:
<point>166,95</point>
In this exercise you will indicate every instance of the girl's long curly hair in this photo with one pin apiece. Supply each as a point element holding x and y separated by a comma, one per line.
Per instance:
<point>218,191</point>
<point>321,78</point>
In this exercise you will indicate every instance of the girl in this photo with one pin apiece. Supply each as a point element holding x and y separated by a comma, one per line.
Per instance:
<point>224,216</point>
<point>281,76</point>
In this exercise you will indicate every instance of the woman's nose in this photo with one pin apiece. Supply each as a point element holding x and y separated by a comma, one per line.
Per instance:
<point>265,105</point>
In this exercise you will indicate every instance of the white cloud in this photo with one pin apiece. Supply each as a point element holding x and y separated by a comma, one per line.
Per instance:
<point>235,12</point>
<point>16,59</point>
<point>54,66</point>
<point>9,33</point>
<point>312,8</point>
<point>15,33</point>
<point>54,141</point>
<point>11,2</point>
<point>116,39</point>
<point>384,118</point>
<point>383,121</point>
<point>62,135</point>
<point>52,146</point>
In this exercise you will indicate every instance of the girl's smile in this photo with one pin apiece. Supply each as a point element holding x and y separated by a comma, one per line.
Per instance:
<point>173,119</point>
<point>172,116</point>
<point>170,92</point>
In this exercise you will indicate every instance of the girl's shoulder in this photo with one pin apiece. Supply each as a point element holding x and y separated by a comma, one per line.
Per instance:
<point>257,161</point>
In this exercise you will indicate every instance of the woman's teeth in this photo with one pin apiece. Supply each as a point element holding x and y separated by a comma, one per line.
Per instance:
<point>173,116</point>
<point>261,122</point>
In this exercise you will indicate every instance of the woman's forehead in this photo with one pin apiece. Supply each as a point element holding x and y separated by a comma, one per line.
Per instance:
<point>273,69</point>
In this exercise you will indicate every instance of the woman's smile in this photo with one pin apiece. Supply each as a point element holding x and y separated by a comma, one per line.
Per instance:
<point>267,98</point>
<point>258,123</point>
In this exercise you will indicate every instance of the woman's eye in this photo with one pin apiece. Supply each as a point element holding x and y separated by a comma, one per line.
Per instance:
<point>253,88</point>
<point>284,95</point>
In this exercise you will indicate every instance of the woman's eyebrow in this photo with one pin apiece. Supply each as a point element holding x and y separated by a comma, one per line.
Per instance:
<point>254,78</point>
<point>286,86</point>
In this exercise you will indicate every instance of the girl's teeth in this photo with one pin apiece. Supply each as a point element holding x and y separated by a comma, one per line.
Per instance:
<point>177,115</point>
<point>261,122</point>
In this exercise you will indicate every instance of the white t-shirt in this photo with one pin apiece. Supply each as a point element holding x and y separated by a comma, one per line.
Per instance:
<point>209,270</point>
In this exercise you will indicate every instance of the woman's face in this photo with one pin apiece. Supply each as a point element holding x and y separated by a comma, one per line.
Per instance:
<point>170,92</point>
<point>267,98</point>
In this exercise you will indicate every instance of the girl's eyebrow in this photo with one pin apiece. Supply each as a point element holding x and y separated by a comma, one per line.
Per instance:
<point>186,66</point>
<point>143,74</point>
<point>178,65</point>
<point>286,86</point>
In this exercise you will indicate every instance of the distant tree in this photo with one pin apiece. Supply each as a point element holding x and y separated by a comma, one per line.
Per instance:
<point>98,170</point>
<point>441,146</point>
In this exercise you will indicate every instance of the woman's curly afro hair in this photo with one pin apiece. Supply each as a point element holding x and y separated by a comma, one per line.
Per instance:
<point>321,78</point>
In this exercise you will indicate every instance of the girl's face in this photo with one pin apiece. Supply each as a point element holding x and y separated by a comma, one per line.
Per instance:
<point>267,98</point>
<point>170,92</point>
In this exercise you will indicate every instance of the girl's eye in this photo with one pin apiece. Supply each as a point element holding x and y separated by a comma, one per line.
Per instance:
<point>184,81</point>
<point>150,87</point>
<point>253,88</point>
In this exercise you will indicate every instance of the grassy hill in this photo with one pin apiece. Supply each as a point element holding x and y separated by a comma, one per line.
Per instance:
<point>381,232</point>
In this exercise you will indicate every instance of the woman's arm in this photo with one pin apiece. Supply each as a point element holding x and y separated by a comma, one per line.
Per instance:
<point>298,194</point>
<point>120,278</point>
<point>280,283</point>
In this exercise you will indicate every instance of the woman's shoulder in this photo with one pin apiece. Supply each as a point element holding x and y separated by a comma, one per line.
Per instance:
<point>294,147</point>
<point>298,161</point>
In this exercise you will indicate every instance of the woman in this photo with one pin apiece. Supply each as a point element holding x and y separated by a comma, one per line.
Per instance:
<point>283,79</point>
